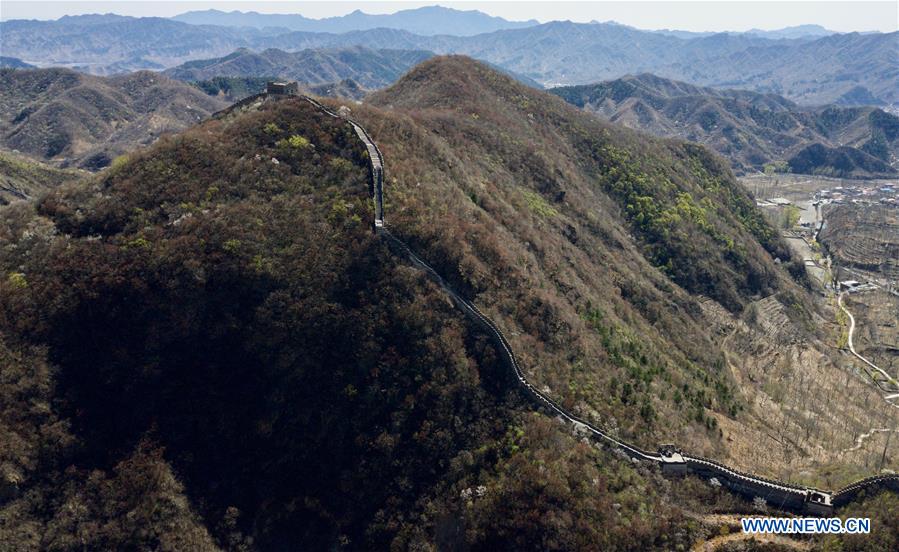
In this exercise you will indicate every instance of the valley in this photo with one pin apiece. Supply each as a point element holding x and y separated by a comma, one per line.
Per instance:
<point>23,179</point>
<point>857,253</point>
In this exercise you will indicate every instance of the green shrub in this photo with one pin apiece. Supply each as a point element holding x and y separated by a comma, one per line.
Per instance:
<point>538,205</point>
<point>295,141</point>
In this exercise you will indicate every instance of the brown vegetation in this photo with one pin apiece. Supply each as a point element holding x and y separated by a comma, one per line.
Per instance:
<point>215,328</point>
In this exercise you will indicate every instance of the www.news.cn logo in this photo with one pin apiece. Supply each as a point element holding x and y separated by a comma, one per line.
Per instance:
<point>806,526</point>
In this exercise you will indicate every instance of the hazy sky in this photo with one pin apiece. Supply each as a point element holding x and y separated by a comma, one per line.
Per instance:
<point>720,15</point>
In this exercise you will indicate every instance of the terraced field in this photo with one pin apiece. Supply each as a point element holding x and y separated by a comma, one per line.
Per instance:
<point>864,237</point>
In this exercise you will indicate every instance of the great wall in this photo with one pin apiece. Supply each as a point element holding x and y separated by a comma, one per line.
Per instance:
<point>672,461</point>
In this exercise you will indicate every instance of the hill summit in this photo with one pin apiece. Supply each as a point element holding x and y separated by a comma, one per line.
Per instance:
<point>584,240</point>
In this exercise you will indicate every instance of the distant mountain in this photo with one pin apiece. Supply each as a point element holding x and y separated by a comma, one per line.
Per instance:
<point>14,63</point>
<point>798,31</point>
<point>244,72</point>
<point>808,71</point>
<point>859,95</point>
<point>838,161</point>
<point>812,72</point>
<point>748,128</point>
<point>852,67</point>
<point>73,119</point>
<point>106,44</point>
<point>430,20</point>
<point>233,89</point>
<point>369,68</point>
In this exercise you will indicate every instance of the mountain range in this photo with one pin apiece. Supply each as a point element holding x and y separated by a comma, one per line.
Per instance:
<point>750,129</point>
<point>797,31</point>
<point>429,20</point>
<point>369,68</point>
<point>841,68</point>
<point>754,131</point>
<point>74,119</point>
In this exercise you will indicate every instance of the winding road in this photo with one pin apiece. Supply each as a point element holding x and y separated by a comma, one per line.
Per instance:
<point>891,390</point>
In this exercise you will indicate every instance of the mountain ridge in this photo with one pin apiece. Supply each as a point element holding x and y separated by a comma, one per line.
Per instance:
<point>751,129</point>
<point>429,20</point>
<point>75,119</point>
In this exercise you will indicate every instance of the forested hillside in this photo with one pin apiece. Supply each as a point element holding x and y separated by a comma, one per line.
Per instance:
<point>206,311</point>
<point>597,249</point>
<point>212,349</point>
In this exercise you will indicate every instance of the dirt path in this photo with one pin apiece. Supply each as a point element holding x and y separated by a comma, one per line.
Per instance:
<point>860,440</point>
<point>890,394</point>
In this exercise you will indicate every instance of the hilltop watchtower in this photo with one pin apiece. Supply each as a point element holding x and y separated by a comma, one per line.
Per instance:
<point>282,88</point>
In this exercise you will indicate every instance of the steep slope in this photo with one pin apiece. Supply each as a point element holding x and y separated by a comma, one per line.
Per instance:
<point>74,119</point>
<point>598,249</point>
<point>750,129</point>
<point>370,68</point>
<point>220,296</point>
<point>51,501</point>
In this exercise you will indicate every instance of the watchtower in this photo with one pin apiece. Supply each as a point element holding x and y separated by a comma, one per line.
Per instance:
<point>673,462</point>
<point>818,503</point>
<point>282,88</point>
